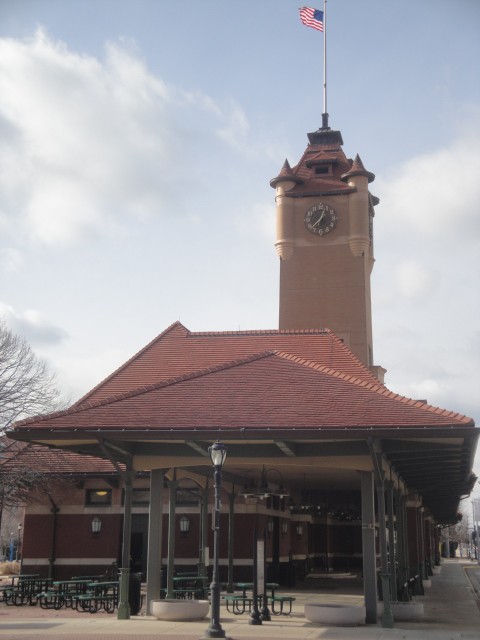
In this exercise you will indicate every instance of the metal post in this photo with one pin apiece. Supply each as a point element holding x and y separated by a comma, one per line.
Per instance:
<point>171,536</point>
<point>218,453</point>
<point>123,612</point>
<point>376,454</point>
<point>265,614</point>
<point>401,542</point>
<point>368,547</point>
<point>231,529</point>
<point>391,540</point>
<point>255,615</point>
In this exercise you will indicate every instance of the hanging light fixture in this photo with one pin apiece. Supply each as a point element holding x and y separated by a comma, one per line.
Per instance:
<point>263,490</point>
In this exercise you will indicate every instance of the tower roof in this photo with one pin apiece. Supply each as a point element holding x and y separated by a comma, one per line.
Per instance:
<point>323,169</point>
<point>357,169</point>
<point>286,174</point>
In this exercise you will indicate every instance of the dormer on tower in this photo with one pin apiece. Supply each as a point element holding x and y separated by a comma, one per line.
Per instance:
<point>324,240</point>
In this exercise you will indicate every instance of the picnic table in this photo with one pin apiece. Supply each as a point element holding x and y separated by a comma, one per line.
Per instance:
<point>98,595</point>
<point>61,593</point>
<point>24,589</point>
<point>190,587</point>
<point>238,604</point>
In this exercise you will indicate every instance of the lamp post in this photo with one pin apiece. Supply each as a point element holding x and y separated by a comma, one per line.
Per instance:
<point>218,453</point>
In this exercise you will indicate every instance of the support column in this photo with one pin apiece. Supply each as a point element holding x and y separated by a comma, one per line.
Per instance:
<point>368,547</point>
<point>376,454</point>
<point>201,534</point>
<point>392,555</point>
<point>204,525</point>
<point>155,521</point>
<point>421,532</point>
<point>171,536</point>
<point>415,556</point>
<point>123,612</point>
<point>231,529</point>
<point>403,572</point>
<point>429,560</point>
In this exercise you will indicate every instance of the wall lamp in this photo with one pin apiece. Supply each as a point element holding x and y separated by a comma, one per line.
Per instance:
<point>184,524</point>
<point>299,530</point>
<point>284,528</point>
<point>96,525</point>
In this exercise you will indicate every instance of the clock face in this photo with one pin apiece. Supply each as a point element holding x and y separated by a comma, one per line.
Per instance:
<point>320,219</point>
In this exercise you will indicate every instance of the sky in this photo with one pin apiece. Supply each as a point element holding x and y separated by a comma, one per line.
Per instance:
<point>137,142</point>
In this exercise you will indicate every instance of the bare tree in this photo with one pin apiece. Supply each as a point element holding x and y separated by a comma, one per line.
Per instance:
<point>27,387</point>
<point>28,473</point>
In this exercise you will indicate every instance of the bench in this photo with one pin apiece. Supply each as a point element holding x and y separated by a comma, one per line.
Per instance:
<point>281,601</point>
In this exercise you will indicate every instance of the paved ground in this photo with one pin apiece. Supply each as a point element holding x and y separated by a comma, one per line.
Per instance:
<point>451,613</point>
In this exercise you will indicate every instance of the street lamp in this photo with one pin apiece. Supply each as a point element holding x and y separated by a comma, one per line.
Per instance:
<point>218,453</point>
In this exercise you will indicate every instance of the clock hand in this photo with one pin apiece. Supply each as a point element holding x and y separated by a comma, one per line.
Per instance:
<point>319,220</point>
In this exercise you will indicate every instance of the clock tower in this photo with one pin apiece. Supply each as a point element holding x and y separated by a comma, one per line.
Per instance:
<point>324,239</point>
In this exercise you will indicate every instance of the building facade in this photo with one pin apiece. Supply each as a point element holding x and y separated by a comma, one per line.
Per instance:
<point>311,430</point>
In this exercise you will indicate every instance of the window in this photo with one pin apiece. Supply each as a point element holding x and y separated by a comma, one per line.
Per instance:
<point>95,497</point>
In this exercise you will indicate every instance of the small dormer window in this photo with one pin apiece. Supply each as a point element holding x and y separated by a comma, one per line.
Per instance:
<point>322,169</point>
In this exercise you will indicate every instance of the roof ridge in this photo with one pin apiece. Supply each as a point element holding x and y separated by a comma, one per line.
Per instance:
<point>247,332</point>
<point>349,377</point>
<point>377,387</point>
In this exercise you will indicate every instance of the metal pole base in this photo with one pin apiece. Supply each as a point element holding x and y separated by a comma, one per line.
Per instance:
<point>214,633</point>
<point>255,618</point>
<point>265,614</point>
<point>123,612</point>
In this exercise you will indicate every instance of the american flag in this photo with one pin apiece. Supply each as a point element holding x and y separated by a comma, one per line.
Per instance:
<point>312,17</point>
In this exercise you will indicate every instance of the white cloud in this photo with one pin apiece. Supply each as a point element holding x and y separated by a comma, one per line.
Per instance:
<point>413,278</point>
<point>426,299</point>
<point>436,195</point>
<point>89,144</point>
<point>80,373</point>
<point>33,326</point>
<point>11,260</point>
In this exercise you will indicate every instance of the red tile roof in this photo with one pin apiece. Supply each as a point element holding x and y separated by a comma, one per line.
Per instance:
<point>177,352</point>
<point>18,455</point>
<point>269,390</point>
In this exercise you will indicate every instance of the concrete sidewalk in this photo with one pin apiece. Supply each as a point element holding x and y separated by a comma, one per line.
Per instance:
<point>451,613</point>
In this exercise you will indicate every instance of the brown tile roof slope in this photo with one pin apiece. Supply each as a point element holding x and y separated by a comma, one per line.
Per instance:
<point>324,183</point>
<point>178,351</point>
<point>17,455</point>
<point>271,390</point>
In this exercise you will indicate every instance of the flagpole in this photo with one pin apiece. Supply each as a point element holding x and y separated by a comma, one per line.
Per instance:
<point>325,113</point>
